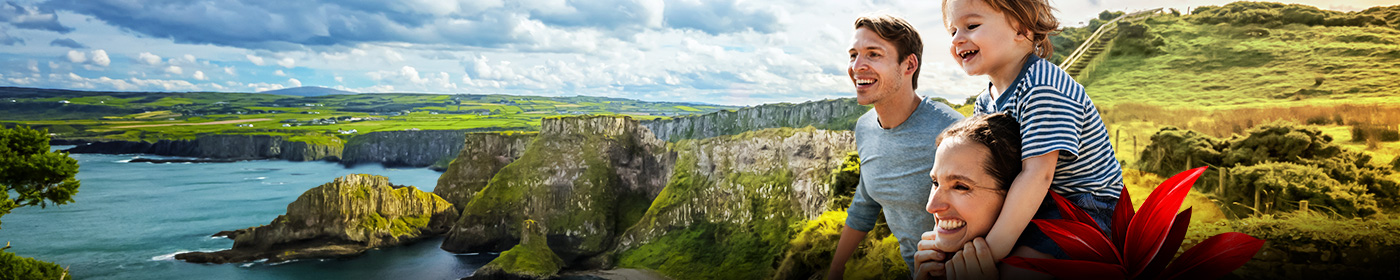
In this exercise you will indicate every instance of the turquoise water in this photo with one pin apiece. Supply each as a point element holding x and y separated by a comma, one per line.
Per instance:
<point>130,219</point>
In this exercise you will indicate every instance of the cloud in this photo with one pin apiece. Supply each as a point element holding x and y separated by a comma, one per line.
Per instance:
<point>199,75</point>
<point>293,82</point>
<point>172,69</point>
<point>148,58</point>
<point>288,25</point>
<point>31,18</point>
<point>65,42</point>
<point>76,56</point>
<point>256,60</point>
<point>723,16</point>
<point>229,70</point>
<point>287,62</point>
<point>6,39</point>
<point>279,73</point>
<point>408,75</point>
<point>99,58</point>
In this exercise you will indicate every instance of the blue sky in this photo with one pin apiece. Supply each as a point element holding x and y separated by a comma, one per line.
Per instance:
<point>724,51</point>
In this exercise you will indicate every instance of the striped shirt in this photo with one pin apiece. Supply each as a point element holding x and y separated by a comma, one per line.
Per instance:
<point>1056,115</point>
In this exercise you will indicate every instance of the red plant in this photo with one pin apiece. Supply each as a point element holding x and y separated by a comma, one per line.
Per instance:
<point>1142,244</point>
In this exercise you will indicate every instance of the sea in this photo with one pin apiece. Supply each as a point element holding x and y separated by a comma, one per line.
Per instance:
<point>129,220</point>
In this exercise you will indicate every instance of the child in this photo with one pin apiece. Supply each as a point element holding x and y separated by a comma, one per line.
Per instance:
<point>1065,147</point>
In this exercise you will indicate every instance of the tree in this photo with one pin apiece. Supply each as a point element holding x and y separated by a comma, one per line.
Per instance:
<point>27,168</point>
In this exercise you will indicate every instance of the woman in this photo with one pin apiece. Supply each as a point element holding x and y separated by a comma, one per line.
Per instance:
<point>977,159</point>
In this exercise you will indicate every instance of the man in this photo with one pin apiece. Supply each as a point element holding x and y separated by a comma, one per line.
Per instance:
<point>895,139</point>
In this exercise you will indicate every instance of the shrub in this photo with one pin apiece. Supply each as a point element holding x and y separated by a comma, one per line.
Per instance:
<point>1282,185</point>
<point>1364,133</point>
<point>16,267</point>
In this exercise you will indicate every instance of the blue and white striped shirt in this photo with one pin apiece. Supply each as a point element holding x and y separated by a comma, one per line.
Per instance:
<point>1056,115</point>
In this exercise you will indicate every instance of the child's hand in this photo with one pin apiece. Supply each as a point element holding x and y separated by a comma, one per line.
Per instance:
<point>973,262</point>
<point>928,260</point>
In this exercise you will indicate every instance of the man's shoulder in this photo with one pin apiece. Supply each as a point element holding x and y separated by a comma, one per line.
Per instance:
<point>868,120</point>
<point>938,115</point>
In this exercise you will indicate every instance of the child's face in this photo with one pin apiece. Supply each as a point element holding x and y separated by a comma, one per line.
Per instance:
<point>876,70</point>
<point>965,200</point>
<point>984,41</point>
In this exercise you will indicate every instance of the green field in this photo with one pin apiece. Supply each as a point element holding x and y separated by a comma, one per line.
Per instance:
<point>151,116</point>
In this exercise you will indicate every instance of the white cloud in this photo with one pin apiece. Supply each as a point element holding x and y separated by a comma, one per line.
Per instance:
<point>229,70</point>
<point>172,69</point>
<point>287,62</point>
<point>279,73</point>
<point>76,56</point>
<point>99,58</point>
<point>256,60</point>
<point>339,79</point>
<point>199,75</point>
<point>148,58</point>
<point>293,82</point>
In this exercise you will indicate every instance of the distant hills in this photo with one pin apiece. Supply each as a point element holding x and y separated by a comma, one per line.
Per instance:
<point>1249,54</point>
<point>308,91</point>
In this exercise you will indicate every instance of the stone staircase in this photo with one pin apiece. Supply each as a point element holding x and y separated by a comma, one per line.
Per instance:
<point>1097,43</point>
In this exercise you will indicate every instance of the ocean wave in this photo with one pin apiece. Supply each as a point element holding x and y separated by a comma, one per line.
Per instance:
<point>168,257</point>
<point>124,160</point>
<point>274,183</point>
<point>254,178</point>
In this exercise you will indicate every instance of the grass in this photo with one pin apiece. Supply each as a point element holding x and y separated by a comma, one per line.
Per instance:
<point>102,114</point>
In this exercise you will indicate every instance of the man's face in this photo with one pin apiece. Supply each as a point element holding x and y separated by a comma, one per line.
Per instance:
<point>876,69</point>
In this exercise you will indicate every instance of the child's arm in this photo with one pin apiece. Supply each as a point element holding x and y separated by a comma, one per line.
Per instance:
<point>1027,192</point>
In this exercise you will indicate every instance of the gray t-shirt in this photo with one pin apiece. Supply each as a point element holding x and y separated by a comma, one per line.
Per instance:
<point>894,167</point>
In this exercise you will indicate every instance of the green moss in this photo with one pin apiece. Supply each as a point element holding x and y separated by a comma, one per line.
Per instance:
<point>532,257</point>
<point>408,226</point>
<point>373,222</point>
<point>726,249</point>
<point>16,267</point>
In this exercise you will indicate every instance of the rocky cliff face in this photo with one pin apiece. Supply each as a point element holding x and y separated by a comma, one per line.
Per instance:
<point>837,114</point>
<point>341,218</point>
<point>586,177</point>
<point>736,197</point>
<point>404,148</point>
<point>242,147</point>
<point>482,155</point>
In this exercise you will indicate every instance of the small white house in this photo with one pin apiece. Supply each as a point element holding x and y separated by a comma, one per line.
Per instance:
<point>63,102</point>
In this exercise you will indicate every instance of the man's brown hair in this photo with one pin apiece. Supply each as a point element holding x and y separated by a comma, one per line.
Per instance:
<point>1035,16</point>
<point>900,33</point>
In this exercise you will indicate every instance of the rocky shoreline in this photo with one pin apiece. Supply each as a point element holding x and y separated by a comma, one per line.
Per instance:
<point>339,219</point>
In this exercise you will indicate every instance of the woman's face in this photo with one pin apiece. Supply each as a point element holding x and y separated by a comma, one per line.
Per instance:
<point>965,199</point>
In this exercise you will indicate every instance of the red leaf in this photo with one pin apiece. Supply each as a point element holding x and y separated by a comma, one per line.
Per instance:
<point>1080,241</point>
<point>1122,214</point>
<point>1148,229</point>
<point>1069,269</point>
<point>1070,212</point>
<point>1215,257</point>
<point>1169,247</point>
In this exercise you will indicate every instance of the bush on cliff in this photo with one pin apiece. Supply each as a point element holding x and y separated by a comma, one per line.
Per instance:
<point>531,259</point>
<point>16,267</point>
<point>810,251</point>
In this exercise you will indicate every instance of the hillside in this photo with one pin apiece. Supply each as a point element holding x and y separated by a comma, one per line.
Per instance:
<point>307,91</point>
<point>152,116</point>
<point>1248,54</point>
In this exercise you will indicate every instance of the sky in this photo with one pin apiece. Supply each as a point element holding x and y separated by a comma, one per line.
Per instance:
<point>729,52</point>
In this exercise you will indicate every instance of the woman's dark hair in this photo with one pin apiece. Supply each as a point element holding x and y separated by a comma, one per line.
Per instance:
<point>1001,134</point>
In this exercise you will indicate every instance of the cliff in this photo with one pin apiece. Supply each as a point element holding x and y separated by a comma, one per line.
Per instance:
<point>342,218</point>
<point>404,148</point>
<point>241,147</point>
<point>587,177</point>
<point>531,259</point>
<point>482,155</point>
<point>833,114</point>
<point>729,209</point>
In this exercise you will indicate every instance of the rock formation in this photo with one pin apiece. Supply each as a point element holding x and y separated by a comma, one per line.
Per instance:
<point>404,148</point>
<point>238,147</point>
<point>482,155</point>
<point>586,177</point>
<point>342,218</point>
<point>531,259</point>
<point>832,114</point>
